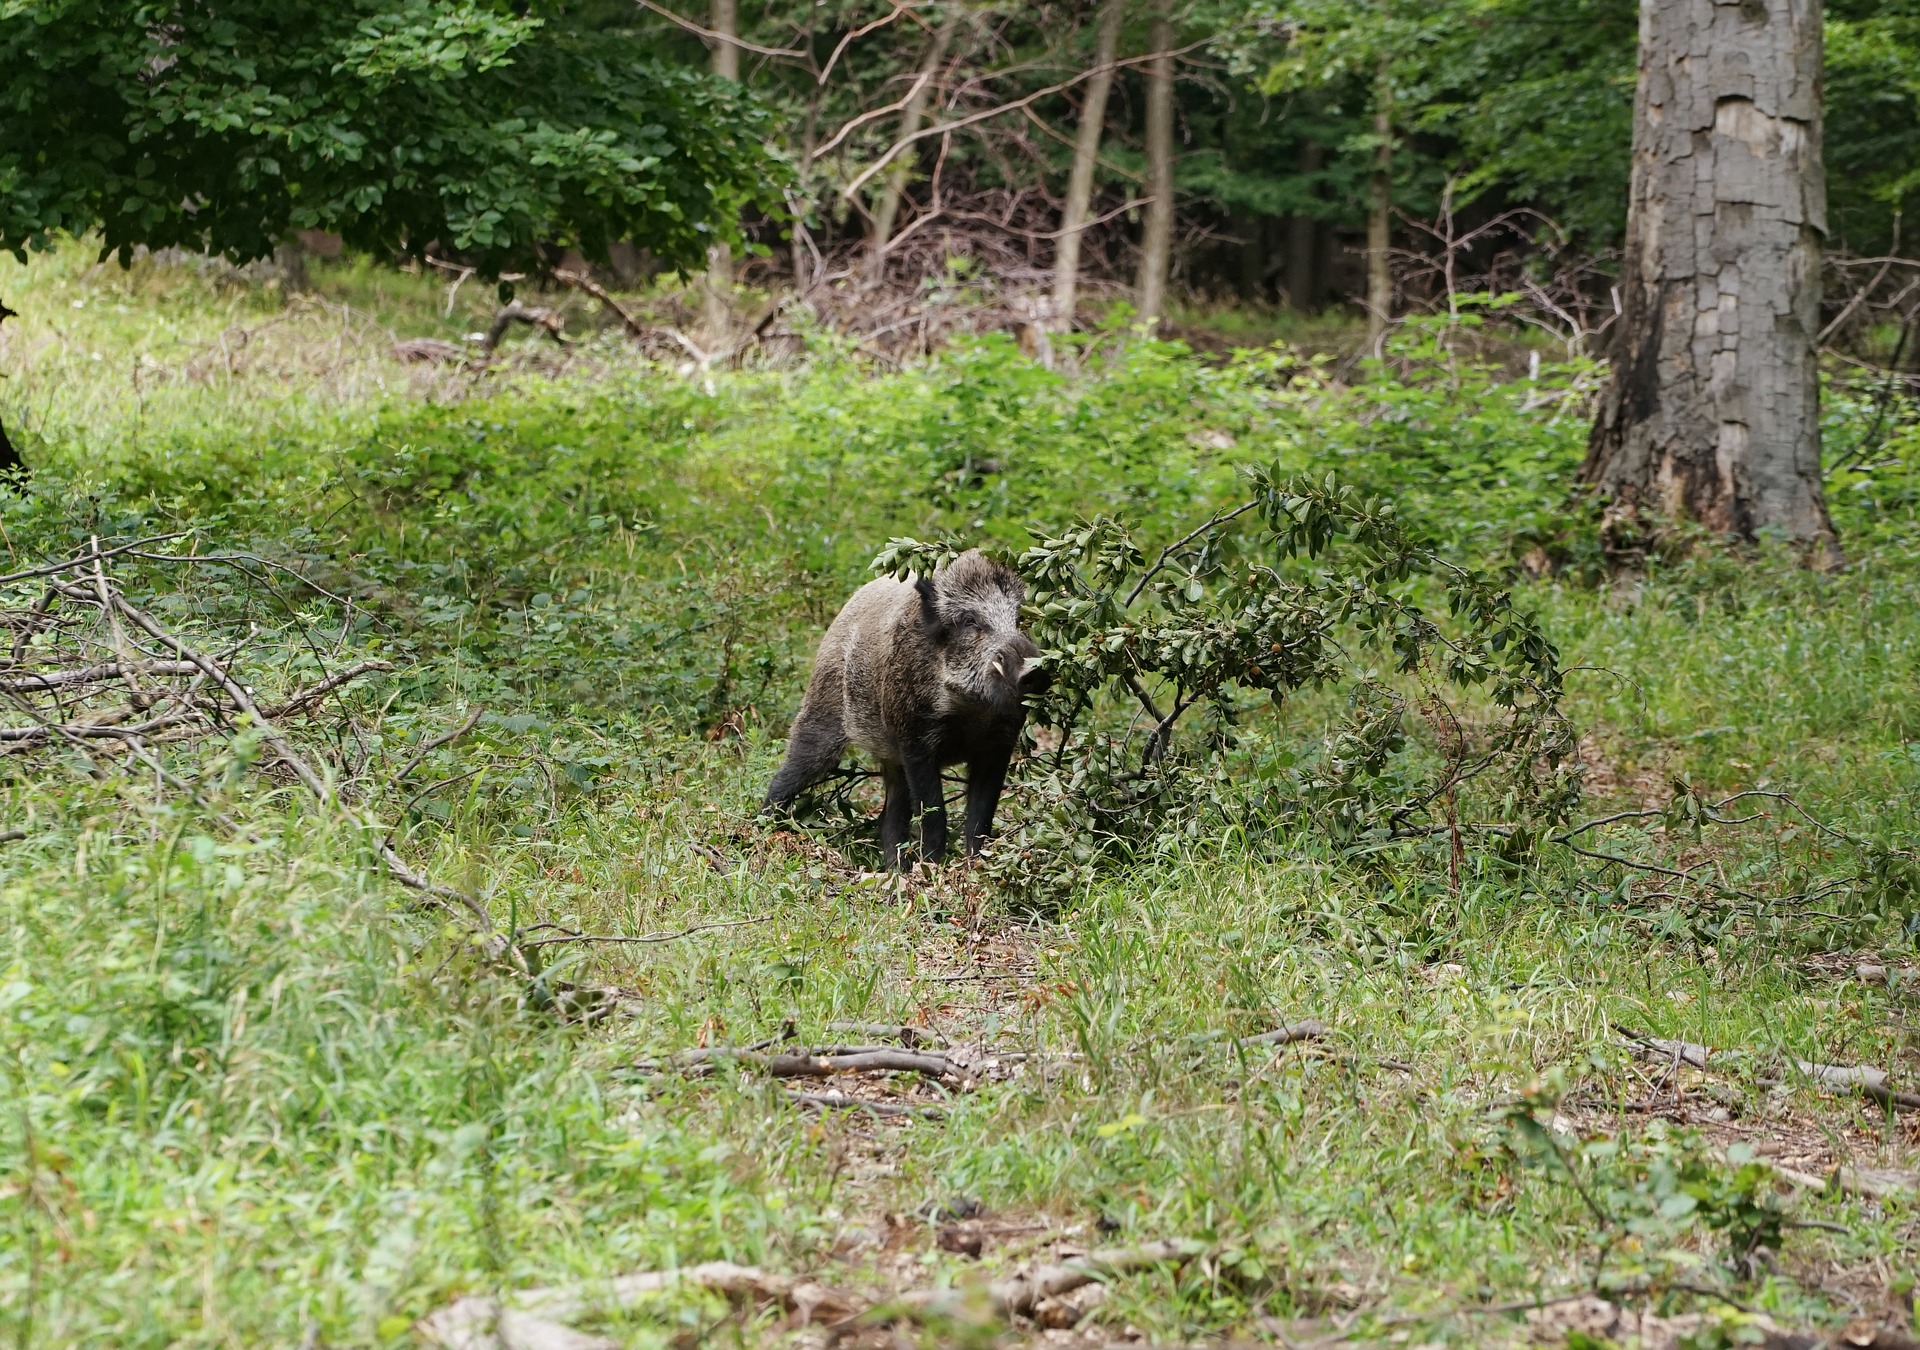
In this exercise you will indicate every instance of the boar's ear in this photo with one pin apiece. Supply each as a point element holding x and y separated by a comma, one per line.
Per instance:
<point>930,608</point>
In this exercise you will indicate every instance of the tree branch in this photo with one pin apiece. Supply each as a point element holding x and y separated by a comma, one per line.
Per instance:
<point>866,175</point>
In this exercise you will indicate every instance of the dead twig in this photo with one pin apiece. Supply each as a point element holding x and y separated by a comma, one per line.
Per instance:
<point>613,939</point>
<point>551,321</point>
<point>1309,1030</point>
<point>73,564</point>
<point>303,699</point>
<point>111,670</point>
<point>471,721</point>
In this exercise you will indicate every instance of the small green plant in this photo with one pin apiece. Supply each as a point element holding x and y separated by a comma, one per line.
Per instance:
<point>1658,1197</point>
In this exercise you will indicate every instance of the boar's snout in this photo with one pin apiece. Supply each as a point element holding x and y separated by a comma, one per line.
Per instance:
<point>1017,664</point>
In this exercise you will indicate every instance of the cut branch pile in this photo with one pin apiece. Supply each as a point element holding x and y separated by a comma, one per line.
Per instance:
<point>90,670</point>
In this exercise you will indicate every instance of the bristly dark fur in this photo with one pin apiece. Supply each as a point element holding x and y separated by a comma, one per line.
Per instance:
<point>920,676</point>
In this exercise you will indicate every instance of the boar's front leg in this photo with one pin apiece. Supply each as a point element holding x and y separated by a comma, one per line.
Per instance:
<point>930,805</point>
<point>986,776</point>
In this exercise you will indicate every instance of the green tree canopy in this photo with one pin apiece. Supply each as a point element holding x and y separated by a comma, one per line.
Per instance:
<point>494,130</point>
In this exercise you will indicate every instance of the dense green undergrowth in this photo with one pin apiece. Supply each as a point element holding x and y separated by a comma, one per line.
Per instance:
<point>256,1097</point>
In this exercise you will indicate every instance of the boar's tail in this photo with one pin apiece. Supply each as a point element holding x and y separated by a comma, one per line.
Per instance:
<point>813,751</point>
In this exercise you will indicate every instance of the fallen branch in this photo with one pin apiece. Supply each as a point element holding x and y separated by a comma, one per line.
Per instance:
<point>471,721</point>
<point>569,935</point>
<point>1861,1078</point>
<point>839,1101</point>
<point>806,1064</point>
<point>539,316</point>
<point>1864,1079</point>
<point>70,564</point>
<point>1877,1183</point>
<point>303,699</point>
<point>1659,1050</point>
<point>635,328</point>
<point>1309,1030</point>
<point>111,670</point>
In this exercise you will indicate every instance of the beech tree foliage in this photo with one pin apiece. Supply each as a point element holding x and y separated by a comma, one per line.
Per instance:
<point>499,131</point>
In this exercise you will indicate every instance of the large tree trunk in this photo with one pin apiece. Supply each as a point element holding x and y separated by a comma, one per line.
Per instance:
<point>1380,213</point>
<point>1303,244</point>
<point>1156,238</point>
<point>1086,155</point>
<point>716,311</point>
<point>1712,413</point>
<point>888,210</point>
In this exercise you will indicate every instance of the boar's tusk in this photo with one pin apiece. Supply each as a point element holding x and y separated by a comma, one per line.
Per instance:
<point>1000,665</point>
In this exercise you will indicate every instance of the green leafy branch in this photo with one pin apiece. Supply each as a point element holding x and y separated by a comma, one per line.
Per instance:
<point>1305,586</point>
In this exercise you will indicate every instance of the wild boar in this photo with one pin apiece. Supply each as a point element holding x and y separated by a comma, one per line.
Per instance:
<point>920,675</point>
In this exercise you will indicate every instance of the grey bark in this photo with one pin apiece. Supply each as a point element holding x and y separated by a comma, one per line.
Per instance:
<point>888,210</point>
<point>716,311</point>
<point>1712,412</point>
<point>1303,250</point>
<point>1086,154</point>
<point>290,256</point>
<point>1380,213</point>
<point>1156,236</point>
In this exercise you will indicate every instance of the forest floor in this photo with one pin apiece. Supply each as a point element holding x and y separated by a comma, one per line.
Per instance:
<point>254,1092</point>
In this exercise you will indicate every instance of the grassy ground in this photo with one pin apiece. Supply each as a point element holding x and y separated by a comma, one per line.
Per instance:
<point>254,1095</point>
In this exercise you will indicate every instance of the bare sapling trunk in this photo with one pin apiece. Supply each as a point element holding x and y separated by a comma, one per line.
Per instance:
<point>1712,413</point>
<point>1380,214</point>
<point>1156,237</point>
<point>716,310</point>
<point>1303,244</point>
<point>1086,156</point>
<point>10,461</point>
<point>911,116</point>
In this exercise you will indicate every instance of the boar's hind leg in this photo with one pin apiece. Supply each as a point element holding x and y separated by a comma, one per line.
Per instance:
<point>895,815</point>
<point>930,805</point>
<point>814,748</point>
<point>986,776</point>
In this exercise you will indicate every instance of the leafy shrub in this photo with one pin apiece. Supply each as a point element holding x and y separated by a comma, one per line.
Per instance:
<point>1225,612</point>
